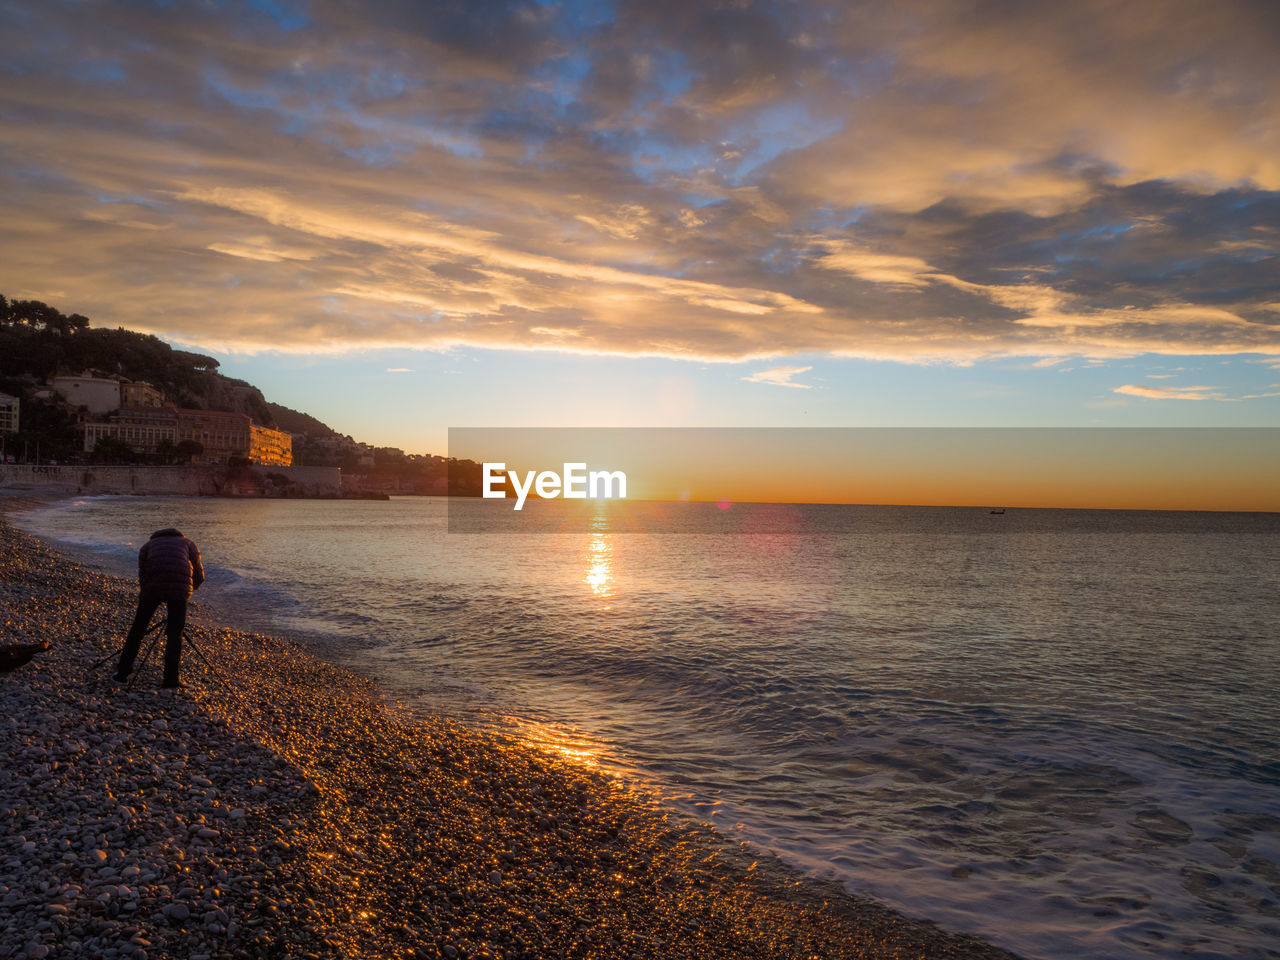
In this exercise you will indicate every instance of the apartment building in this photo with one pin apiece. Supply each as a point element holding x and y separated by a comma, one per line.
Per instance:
<point>137,393</point>
<point>9,410</point>
<point>271,447</point>
<point>221,434</point>
<point>142,428</point>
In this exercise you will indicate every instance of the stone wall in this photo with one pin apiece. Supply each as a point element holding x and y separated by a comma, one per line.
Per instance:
<point>191,481</point>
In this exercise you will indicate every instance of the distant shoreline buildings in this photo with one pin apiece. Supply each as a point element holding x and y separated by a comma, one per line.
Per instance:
<point>136,414</point>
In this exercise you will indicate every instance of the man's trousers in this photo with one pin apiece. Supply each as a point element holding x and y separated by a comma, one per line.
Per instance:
<point>176,605</point>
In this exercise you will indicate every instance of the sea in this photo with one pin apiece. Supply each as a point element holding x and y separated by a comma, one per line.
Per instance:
<point>1056,729</point>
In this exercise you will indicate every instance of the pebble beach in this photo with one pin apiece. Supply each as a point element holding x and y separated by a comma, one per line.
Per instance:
<point>282,806</point>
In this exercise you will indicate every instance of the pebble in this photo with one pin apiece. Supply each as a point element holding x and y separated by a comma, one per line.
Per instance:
<point>370,836</point>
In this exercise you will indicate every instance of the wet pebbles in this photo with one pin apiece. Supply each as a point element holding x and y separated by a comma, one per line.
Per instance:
<point>280,806</point>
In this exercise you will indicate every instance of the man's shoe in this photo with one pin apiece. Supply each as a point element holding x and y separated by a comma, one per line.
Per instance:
<point>179,685</point>
<point>120,677</point>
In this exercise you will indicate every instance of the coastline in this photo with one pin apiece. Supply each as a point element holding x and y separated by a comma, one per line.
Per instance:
<point>282,806</point>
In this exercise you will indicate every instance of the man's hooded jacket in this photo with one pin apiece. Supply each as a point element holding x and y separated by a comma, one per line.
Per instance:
<point>169,563</point>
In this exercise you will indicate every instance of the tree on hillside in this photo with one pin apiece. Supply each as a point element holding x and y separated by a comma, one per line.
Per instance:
<point>34,336</point>
<point>38,339</point>
<point>293,421</point>
<point>140,356</point>
<point>197,361</point>
<point>112,450</point>
<point>49,419</point>
<point>39,315</point>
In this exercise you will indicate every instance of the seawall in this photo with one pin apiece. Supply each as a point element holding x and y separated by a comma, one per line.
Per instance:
<point>202,480</point>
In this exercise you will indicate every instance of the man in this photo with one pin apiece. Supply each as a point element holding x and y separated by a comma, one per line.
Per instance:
<point>168,570</point>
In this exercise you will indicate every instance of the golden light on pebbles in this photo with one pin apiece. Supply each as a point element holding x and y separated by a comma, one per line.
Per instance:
<point>370,837</point>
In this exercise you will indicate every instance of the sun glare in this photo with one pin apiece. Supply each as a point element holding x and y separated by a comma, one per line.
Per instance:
<point>599,575</point>
<point>557,740</point>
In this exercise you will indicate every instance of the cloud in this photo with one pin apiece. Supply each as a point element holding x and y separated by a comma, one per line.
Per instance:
<point>259,252</point>
<point>1189,393</point>
<point>399,370</point>
<point>933,181</point>
<point>884,268</point>
<point>779,377</point>
<point>1171,393</point>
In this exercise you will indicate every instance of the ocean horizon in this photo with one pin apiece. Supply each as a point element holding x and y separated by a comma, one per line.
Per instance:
<point>1055,729</point>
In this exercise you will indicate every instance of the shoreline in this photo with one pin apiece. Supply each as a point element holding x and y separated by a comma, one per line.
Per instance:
<point>285,806</point>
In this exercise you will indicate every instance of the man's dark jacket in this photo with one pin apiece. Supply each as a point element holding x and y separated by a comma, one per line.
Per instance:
<point>169,563</point>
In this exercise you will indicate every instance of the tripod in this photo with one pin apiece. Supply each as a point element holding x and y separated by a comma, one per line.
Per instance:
<point>155,631</point>
<point>156,628</point>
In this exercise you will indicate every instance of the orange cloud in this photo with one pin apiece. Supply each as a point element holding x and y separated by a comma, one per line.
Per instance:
<point>1171,393</point>
<point>967,186</point>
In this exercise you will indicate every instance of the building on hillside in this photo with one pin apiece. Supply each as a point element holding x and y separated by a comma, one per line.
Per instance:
<point>9,410</point>
<point>137,393</point>
<point>271,447</point>
<point>98,395</point>
<point>221,434</point>
<point>142,428</point>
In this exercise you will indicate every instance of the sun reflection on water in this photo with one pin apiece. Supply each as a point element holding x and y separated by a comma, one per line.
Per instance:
<point>557,740</point>
<point>599,576</point>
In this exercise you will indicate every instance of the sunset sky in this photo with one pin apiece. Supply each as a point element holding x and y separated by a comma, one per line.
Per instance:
<point>405,216</point>
<point>1206,468</point>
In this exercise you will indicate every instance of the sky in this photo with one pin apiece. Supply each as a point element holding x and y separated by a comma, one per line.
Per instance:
<point>1083,468</point>
<point>404,216</point>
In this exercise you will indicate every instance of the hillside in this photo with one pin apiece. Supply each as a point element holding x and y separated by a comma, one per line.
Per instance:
<point>294,421</point>
<point>39,342</point>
